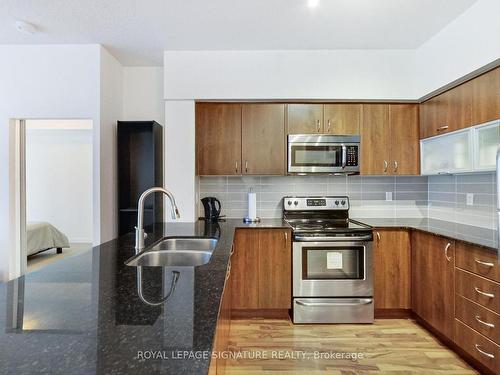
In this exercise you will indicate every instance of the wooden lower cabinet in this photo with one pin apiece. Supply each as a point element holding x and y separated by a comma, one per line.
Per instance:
<point>433,290</point>
<point>391,269</point>
<point>483,350</point>
<point>262,269</point>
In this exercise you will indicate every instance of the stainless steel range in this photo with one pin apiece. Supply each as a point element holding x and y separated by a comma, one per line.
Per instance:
<point>332,261</point>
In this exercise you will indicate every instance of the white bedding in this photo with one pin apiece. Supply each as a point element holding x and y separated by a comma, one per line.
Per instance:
<point>42,236</point>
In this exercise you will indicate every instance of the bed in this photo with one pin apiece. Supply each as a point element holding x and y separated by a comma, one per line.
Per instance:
<point>42,236</point>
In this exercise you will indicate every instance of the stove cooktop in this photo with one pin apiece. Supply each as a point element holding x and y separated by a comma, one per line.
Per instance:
<point>325,226</point>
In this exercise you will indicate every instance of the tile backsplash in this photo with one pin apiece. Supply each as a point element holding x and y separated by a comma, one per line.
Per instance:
<point>367,194</point>
<point>448,199</point>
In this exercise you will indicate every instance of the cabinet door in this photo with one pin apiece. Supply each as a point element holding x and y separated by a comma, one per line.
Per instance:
<point>447,112</point>
<point>404,139</point>
<point>449,153</point>
<point>487,140</point>
<point>342,119</point>
<point>375,138</point>
<point>433,288</point>
<point>275,269</point>
<point>391,269</point>
<point>486,97</point>
<point>218,138</point>
<point>305,118</point>
<point>245,269</point>
<point>263,134</point>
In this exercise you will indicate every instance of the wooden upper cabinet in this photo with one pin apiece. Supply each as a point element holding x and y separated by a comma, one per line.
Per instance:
<point>433,280</point>
<point>447,112</point>
<point>262,134</point>
<point>404,140</point>
<point>342,119</point>
<point>218,138</point>
<point>391,269</point>
<point>486,97</point>
<point>305,118</point>
<point>375,139</point>
<point>275,269</point>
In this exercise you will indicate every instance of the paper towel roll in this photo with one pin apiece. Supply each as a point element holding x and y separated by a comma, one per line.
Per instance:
<point>252,205</point>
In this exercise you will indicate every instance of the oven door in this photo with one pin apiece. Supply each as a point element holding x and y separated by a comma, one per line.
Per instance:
<point>332,269</point>
<point>306,157</point>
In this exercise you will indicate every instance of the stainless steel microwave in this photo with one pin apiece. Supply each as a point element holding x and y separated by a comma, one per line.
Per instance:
<point>323,153</point>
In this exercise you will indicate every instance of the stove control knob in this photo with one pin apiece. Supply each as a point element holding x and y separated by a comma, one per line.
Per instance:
<point>289,203</point>
<point>343,203</point>
<point>296,203</point>
<point>336,203</point>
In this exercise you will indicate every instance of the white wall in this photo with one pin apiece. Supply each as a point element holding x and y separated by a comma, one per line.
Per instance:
<point>339,74</point>
<point>179,156</point>
<point>143,93</point>
<point>466,44</point>
<point>111,110</point>
<point>42,81</point>
<point>59,175</point>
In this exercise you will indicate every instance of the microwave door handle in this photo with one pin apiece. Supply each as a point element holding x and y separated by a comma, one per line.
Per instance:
<point>344,156</point>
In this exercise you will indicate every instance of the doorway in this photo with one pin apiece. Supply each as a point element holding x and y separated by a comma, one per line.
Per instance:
<point>56,190</point>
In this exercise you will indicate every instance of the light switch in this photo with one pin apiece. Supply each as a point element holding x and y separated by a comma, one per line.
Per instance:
<point>470,199</point>
<point>388,196</point>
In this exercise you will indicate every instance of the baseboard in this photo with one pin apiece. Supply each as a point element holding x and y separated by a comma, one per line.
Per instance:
<point>260,313</point>
<point>446,341</point>
<point>392,313</point>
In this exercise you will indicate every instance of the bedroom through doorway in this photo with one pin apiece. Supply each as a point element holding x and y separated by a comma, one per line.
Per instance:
<point>58,193</point>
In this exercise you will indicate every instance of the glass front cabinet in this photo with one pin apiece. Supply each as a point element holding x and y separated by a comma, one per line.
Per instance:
<point>464,151</point>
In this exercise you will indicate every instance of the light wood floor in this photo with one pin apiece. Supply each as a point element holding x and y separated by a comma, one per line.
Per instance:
<point>38,261</point>
<point>393,346</point>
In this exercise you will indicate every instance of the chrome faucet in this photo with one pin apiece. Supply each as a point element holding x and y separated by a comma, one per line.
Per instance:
<point>140,235</point>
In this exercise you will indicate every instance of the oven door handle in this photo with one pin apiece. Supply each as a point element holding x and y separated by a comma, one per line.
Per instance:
<point>338,301</point>
<point>368,237</point>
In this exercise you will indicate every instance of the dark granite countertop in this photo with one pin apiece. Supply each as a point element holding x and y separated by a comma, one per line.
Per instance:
<point>483,237</point>
<point>83,315</point>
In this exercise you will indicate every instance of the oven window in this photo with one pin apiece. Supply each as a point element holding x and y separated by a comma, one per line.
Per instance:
<point>316,156</point>
<point>333,263</point>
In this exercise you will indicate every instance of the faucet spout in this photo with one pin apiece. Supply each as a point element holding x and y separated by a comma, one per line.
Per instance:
<point>140,235</point>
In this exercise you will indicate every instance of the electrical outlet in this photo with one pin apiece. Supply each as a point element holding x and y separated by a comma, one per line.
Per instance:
<point>470,199</point>
<point>388,196</point>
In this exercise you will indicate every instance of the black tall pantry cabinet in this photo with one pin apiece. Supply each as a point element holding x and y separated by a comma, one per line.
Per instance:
<point>140,167</point>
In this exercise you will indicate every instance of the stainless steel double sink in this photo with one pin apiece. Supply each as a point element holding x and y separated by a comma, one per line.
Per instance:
<point>176,251</point>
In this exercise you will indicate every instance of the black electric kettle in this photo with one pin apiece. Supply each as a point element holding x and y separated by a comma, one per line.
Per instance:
<point>212,208</point>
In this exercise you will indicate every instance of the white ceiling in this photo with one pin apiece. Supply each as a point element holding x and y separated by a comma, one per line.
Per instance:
<point>138,31</point>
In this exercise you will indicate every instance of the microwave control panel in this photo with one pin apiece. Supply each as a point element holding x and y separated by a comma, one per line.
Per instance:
<point>352,156</point>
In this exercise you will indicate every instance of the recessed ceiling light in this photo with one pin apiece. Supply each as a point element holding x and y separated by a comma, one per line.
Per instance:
<point>312,3</point>
<point>25,28</point>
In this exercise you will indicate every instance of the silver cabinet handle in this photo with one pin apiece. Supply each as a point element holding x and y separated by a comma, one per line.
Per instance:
<point>489,355</point>
<point>228,273</point>
<point>490,325</point>
<point>396,165</point>
<point>286,237</point>
<point>448,245</point>
<point>328,129</point>
<point>236,168</point>
<point>246,166</point>
<point>487,264</point>
<point>489,295</point>
<point>319,125</point>
<point>386,165</point>
<point>378,236</point>
<point>444,127</point>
